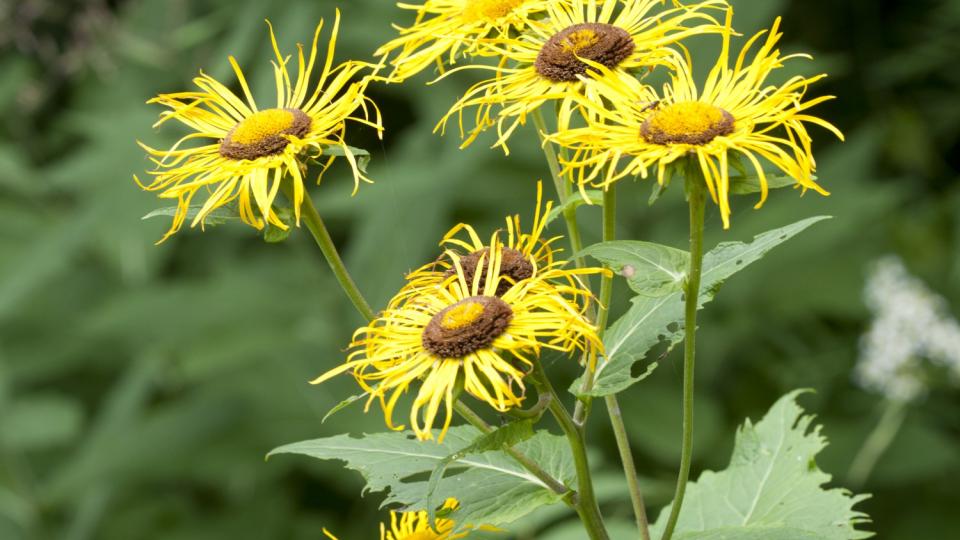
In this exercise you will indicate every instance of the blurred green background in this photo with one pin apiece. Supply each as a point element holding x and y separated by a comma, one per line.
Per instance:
<point>142,385</point>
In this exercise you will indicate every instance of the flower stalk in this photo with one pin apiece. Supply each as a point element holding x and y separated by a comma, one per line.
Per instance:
<point>586,501</point>
<point>613,405</point>
<point>697,202</point>
<point>317,228</point>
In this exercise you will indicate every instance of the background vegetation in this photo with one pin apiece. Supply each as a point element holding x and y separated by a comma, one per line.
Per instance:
<point>141,386</point>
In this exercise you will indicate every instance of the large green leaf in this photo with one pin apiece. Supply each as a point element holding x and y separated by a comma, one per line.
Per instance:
<point>503,437</point>
<point>650,269</point>
<point>772,489</point>
<point>651,320</point>
<point>491,487</point>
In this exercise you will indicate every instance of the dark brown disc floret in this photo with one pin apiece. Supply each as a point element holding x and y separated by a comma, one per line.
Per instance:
<point>559,59</point>
<point>467,326</point>
<point>514,267</point>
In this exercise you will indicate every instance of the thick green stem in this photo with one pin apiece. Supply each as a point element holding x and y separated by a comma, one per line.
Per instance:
<point>552,483</point>
<point>613,406</point>
<point>315,224</point>
<point>586,501</point>
<point>697,202</point>
<point>877,442</point>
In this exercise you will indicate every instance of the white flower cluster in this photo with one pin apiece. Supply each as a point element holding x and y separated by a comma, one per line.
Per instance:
<point>911,324</point>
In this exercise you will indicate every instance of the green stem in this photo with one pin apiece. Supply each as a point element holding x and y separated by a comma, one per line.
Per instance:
<point>877,442</point>
<point>311,217</point>
<point>697,202</point>
<point>586,501</point>
<point>552,483</point>
<point>613,406</point>
<point>564,189</point>
<point>629,468</point>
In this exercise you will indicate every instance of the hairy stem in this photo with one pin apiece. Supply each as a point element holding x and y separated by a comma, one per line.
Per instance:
<point>697,202</point>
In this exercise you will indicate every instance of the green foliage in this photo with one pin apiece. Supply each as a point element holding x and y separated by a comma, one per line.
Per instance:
<point>650,269</point>
<point>594,197</point>
<point>490,486</point>
<point>772,489</point>
<point>655,318</point>
<point>184,362</point>
<point>218,216</point>
<point>502,437</point>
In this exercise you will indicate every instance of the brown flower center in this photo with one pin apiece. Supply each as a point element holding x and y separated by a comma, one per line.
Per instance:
<point>264,133</point>
<point>559,59</point>
<point>688,122</point>
<point>514,265</point>
<point>467,326</point>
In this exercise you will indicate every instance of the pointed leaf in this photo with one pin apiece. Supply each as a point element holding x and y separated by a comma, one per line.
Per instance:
<point>492,487</point>
<point>650,269</point>
<point>652,320</point>
<point>217,216</point>
<point>772,489</point>
<point>595,196</point>
<point>745,185</point>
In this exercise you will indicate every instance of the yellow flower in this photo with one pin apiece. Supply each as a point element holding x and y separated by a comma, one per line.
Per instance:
<point>522,255</point>
<point>461,335</point>
<point>736,112</point>
<point>556,57</point>
<point>416,526</point>
<point>249,151</point>
<point>445,29</point>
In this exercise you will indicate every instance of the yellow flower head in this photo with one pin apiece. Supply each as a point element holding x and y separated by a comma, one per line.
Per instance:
<point>736,111</point>
<point>445,29</point>
<point>249,151</point>
<point>461,334</point>
<point>416,526</point>
<point>522,255</point>
<point>558,56</point>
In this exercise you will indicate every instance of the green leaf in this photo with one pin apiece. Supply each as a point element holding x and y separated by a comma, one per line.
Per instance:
<point>500,438</point>
<point>342,405</point>
<point>40,422</point>
<point>772,489</point>
<point>651,320</point>
<point>492,487</point>
<point>359,154</point>
<point>273,234</point>
<point>747,184</point>
<point>575,200</point>
<point>218,216</point>
<point>650,269</point>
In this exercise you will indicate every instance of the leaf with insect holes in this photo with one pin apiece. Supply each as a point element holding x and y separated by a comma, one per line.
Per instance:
<point>652,320</point>
<point>772,489</point>
<point>491,487</point>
